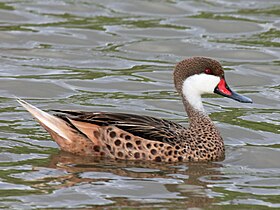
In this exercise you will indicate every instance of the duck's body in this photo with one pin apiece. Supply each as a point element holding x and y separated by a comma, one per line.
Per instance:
<point>134,137</point>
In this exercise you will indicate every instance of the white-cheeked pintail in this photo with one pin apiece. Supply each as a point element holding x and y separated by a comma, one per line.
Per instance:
<point>135,137</point>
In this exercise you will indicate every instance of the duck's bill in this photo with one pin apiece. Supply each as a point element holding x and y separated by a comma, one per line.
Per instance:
<point>224,90</point>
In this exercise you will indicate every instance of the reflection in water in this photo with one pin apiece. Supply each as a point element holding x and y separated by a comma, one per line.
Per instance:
<point>181,181</point>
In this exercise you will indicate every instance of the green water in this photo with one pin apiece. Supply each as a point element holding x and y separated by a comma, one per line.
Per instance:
<point>119,56</point>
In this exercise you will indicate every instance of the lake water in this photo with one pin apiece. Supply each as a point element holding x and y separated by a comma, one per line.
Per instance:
<point>118,56</point>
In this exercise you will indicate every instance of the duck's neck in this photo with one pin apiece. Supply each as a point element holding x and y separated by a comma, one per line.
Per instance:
<point>193,104</point>
<point>192,89</point>
<point>194,107</point>
<point>196,114</point>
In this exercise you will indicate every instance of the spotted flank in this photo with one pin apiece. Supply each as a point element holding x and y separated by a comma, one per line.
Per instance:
<point>128,136</point>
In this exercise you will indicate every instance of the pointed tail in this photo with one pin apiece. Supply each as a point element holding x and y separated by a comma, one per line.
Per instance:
<point>49,122</point>
<point>68,138</point>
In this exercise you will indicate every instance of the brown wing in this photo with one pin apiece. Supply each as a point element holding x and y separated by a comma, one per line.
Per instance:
<point>143,126</point>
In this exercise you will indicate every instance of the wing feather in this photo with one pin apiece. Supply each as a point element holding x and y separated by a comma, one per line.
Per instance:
<point>143,126</point>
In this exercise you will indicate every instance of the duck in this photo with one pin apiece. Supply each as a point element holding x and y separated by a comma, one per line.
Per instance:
<point>128,136</point>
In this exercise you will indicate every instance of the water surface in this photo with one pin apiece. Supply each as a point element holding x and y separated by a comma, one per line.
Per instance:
<point>119,56</point>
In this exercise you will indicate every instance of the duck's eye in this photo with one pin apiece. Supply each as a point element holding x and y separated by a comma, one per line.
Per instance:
<point>208,71</point>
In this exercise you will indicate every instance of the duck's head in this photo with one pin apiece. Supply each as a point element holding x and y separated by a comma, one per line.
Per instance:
<point>198,75</point>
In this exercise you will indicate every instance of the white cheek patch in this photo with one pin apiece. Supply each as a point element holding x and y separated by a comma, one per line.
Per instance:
<point>196,85</point>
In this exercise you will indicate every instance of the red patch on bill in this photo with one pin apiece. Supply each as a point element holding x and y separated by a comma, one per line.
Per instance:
<point>222,87</point>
